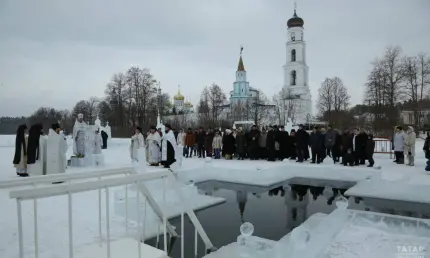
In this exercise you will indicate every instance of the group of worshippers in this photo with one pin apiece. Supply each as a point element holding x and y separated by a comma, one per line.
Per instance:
<point>36,154</point>
<point>274,143</point>
<point>157,149</point>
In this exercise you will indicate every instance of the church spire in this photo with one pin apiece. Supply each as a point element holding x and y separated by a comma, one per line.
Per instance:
<point>241,67</point>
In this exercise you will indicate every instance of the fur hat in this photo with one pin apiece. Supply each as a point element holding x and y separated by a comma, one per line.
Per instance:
<point>168,126</point>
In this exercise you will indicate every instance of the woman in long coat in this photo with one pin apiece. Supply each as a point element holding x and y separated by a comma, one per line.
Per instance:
<point>410,145</point>
<point>228,144</point>
<point>20,157</point>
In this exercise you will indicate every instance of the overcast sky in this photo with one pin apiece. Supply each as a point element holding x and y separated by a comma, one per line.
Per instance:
<point>57,52</point>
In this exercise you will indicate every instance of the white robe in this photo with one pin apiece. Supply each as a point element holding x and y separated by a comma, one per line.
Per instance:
<point>98,142</point>
<point>168,137</point>
<point>79,126</point>
<point>154,143</point>
<point>136,147</point>
<point>56,153</point>
<point>39,167</point>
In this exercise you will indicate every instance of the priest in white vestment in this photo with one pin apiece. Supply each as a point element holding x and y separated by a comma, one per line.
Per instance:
<point>137,147</point>
<point>168,147</point>
<point>97,149</point>
<point>79,133</point>
<point>153,143</point>
<point>56,161</point>
<point>36,151</point>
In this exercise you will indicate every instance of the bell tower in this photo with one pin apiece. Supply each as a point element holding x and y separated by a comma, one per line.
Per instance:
<point>296,72</point>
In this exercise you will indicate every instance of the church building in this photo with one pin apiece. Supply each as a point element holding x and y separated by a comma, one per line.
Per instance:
<point>296,73</point>
<point>180,105</point>
<point>241,89</point>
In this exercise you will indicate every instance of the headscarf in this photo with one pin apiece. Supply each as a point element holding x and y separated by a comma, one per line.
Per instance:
<point>33,143</point>
<point>20,144</point>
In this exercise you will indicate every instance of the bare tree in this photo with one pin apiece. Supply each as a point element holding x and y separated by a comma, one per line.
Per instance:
<point>332,97</point>
<point>416,81</point>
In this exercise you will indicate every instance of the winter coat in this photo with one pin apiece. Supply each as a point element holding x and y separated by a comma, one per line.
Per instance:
<point>262,140</point>
<point>410,142</point>
<point>330,138</point>
<point>217,142</point>
<point>240,143</point>
<point>346,142</point>
<point>208,142</point>
<point>316,141</point>
<point>370,146</point>
<point>426,147</point>
<point>399,141</point>
<point>228,141</point>
<point>23,161</point>
<point>190,139</point>
<point>200,138</point>
<point>252,138</point>
<point>302,139</point>
<point>360,143</point>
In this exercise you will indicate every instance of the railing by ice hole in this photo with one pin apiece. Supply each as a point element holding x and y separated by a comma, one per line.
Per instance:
<point>137,179</point>
<point>99,174</point>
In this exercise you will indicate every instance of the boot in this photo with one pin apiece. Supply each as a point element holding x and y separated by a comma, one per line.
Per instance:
<point>411,160</point>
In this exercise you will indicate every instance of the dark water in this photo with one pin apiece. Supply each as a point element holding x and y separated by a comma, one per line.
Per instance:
<point>273,212</point>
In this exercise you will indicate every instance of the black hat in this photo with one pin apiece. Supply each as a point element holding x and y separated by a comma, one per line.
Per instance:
<point>139,128</point>
<point>55,126</point>
<point>282,127</point>
<point>153,127</point>
<point>316,127</point>
<point>300,125</point>
<point>168,126</point>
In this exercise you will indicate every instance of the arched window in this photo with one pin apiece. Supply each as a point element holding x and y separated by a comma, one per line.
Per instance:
<point>293,77</point>
<point>293,55</point>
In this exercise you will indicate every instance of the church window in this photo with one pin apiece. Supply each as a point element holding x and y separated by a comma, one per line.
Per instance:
<point>293,36</point>
<point>293,77</point>
<point>293,55</point>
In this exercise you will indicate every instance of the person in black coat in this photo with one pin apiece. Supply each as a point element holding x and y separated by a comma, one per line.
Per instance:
<point>228,142</point>
<point>302,140</point>
<point>370,147</point>
<point>292,152</point>
<point>336,149</point>
<point>270,144</point>
<point>200,140</point>
<point>104,136</point>
<point>347,148</point>
<point>284,142</point>
<point>316,142</point>
<point>252,142</point>
<point>240,144</point>
<point>360,147</point>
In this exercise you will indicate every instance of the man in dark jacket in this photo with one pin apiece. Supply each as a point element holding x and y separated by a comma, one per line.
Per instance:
<point>330,140</point>
<point>270,144</point>
<point>200,140</point>
<point>302,140</point>
<point>284,143</point>
<point>316,143</point>
<point>252,141</point>
<point>347,148</point>
<point>370,147</point>
<point>359,142</point>
<point>104,136</point>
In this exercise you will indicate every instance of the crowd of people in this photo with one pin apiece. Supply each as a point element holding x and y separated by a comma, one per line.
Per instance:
<point>274,143</point>
<point>36,154</point>
<point>347,147</point>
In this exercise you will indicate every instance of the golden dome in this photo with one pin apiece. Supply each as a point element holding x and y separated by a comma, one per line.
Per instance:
<point>179,96</point>
<point>188,104</point>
